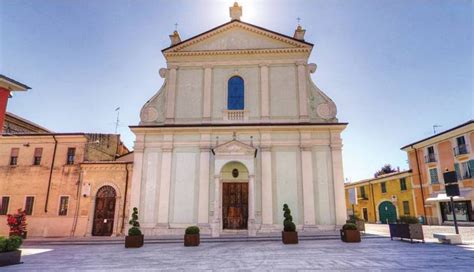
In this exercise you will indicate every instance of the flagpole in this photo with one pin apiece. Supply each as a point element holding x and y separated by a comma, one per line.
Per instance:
<point>117,122</point>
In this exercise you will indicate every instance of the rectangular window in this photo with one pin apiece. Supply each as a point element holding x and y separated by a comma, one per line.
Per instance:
<point>383,187</point>
<point>30,200</point>
<point>461,146</point>
<point>14,156</point>
<point>37,157</point>
<point>63,205</point>
<point>434,176</point>
<point>431,155</point>
<point>71,154</point>
<point>406,208</point>
<point>461,209</point>
<point>465,170</point>
<point>4,205</point>
<point>403,184</point>
<point>362,192</point>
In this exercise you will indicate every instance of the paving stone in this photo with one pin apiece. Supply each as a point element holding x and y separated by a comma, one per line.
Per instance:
<point>370,254</point>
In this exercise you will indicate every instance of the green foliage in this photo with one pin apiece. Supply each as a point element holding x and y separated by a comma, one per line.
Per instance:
<point>135,229</point>
<point>408,219</point>
<point>192,230</point>
<point>288,224</point>
<point>10,244</point>
<point>349,226</point>
<point>386,169</point>
<point>353,219</point>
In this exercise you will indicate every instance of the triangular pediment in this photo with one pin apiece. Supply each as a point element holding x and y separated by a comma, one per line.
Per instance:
<point>234,147</point>
<point>237,35</point>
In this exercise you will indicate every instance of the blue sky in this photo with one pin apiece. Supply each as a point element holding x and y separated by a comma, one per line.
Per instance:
<point>394,68</point>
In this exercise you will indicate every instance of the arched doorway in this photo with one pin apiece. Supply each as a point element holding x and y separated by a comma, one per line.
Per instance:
<point>104,211</point>
<point>387,212</point>
<point>235,191</point>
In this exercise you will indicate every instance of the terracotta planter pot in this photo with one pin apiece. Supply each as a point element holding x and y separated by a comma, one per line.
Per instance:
<point>134,241</point>
<point>10,258</point>
<point>289,237</point>
<point>350,236</point>
<point>191,240</point>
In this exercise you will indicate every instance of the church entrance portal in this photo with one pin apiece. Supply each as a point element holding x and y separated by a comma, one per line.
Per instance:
<point>235,205</point>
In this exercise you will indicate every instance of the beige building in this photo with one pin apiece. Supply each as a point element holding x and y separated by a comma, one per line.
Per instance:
<point>69,184</point>
<point>237,129</point>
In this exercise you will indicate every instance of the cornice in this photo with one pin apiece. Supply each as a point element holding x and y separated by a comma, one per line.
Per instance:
<point>238,24</point>
<point>239,52</point>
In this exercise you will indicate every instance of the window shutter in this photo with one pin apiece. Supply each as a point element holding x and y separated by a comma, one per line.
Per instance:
<point>38,152</point>
<point>15,152</point>
<point>458,171</point>
<point>471,167</point>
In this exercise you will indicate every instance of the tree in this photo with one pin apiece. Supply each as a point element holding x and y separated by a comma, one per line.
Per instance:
<point>386,169</point>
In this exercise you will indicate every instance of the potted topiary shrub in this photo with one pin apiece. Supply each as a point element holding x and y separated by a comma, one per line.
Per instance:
<point>289,234</point>
<point>350,233</point>
<point>360,223</point>
<point>17,224</point>
<point>407,227</point>
<point>191,236</point>
<point>135,236</point>
<point>9,253</point>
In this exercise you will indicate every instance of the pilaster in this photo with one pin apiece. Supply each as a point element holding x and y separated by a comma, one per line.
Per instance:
<point>165,179</point>
<point>265,92</point>
<point>338,178</point>
<point>303,97</point>
<point>206,107</point>
<point>203,208</point>
<point>171,94</point>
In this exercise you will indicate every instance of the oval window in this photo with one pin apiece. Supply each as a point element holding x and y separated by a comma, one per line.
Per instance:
<point>235,173</point>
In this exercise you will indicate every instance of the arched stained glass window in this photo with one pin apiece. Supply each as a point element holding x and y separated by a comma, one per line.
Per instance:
<point>235,93</point>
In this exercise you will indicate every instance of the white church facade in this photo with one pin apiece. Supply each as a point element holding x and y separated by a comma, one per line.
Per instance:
<point>237,129</point>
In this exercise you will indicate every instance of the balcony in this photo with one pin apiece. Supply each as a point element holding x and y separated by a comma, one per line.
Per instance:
<point>235,115</point>
<point>363,197</point>
<point>431,157</point>
<point>461,150</point>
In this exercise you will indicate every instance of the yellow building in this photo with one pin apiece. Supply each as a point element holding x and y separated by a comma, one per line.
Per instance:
<point>382,199</point>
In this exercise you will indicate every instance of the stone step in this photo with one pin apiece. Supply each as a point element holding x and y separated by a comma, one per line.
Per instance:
<point>173,240</point>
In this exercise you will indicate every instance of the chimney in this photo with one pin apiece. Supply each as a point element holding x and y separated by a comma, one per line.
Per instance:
<point>235,12</point>
<point>299,33</point>
<point>175,39</point>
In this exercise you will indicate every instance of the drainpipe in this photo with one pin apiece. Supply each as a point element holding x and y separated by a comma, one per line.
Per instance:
<point>421,184</point>
<point>78,201</point>
<point>50,174</point>
<point>373,200</point>
<point>125,198</point>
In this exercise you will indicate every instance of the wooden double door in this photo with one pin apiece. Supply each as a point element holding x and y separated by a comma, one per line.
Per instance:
<point>235,205</point>
<point>104,214</point>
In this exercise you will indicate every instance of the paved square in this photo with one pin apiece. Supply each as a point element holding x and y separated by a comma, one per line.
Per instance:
<point>371,254</point>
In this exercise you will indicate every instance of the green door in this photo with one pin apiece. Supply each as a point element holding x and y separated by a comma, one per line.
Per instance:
<point>387,212</point>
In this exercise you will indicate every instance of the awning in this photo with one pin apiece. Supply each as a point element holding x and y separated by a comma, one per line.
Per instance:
<point>442,197</point>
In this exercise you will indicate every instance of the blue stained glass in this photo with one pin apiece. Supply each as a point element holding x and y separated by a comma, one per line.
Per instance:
<point>235,95</point>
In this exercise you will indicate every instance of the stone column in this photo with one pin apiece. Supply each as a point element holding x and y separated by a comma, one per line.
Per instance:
<point>267,190</point>
<point>138,150</point>
<point>303,97</point>
<point>265,92</point>
<point>170,94</point>
<point>308,188</point>
<point>203,208</point>
<point>206,101</point>
<point>251,220</point>
<point>216,222</point>
<point>165,183</point>
<point>338,179</point>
